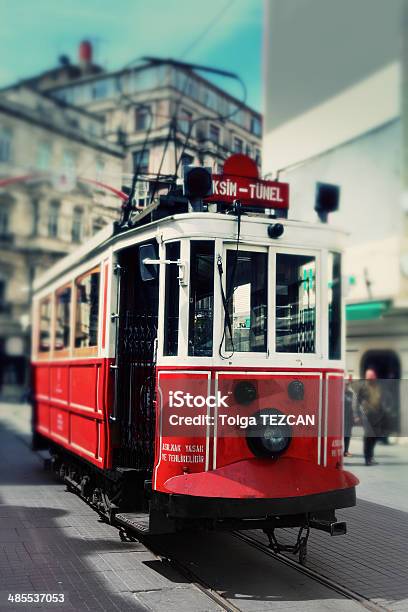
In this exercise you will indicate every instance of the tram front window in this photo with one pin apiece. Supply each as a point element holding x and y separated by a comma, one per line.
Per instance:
<point>201,311</point>
<point>247,284</point>
<point>334,273</point>
<point>171,305</point>
<point>295,303</point>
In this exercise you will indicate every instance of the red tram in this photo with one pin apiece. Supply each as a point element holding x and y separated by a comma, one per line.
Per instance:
<point>190,370</point>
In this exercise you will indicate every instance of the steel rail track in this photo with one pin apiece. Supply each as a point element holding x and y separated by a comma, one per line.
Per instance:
<point>369,605</point>
<point>191,576</point>
<point>205,588</point>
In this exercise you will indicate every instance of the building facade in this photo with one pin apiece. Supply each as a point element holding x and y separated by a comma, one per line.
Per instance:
<point>333,115</point>
<point>49,157</point>
<point>164,115</point>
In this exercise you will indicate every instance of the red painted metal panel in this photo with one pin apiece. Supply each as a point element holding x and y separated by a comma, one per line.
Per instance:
<point>250,191</point>
<point>333,451</point>
<point>262,478</point>
<point>80,426</point>
<point>83,381</point>
<point>179,450</point>
<point>59,424</point>
<point>43,418</point>
<point>272,392</point>
<point>84,435</point>
<point>59,382</point>
<point>41,380</point>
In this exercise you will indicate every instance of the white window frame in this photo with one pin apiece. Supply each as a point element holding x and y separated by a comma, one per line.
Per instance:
<point>318,354</point>
<point>231,246</point>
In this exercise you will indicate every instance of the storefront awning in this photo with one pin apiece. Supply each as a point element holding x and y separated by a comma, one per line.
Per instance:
<point>367,310</point>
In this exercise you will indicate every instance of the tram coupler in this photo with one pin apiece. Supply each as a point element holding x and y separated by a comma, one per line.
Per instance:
<point>327,521</point>
<point>335,528</point>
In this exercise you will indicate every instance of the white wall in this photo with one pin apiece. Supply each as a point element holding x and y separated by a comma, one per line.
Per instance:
<point>331,73</point>
<point>367,170</point>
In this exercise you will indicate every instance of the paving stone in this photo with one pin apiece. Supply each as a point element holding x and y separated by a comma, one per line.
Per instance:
<point>178,600</point>
<point>51,541</point>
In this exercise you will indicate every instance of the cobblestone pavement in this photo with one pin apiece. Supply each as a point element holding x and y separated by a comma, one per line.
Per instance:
<point>372,559</point>
<point>52,542</point>
<point>385,483</point>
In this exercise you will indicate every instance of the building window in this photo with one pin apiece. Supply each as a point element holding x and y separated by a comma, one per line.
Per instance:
<point>258,157</point>
<point>142,193</point>
<point>99,90</point>
<point>62,319</point>
<point>98,224</point>
<point>53,218</point>
<point>77,220</point>
<point>238,145</point>
<point>185,120</point>
<point>214,133</point>
<point>6,136</point>
<point>44,155</point>
<point>44,325</point>
<point>142,117</point>
<point>2,295</point>
<point>99,169</point>
<point>69,161</point>
<point>87,310</point>
<point>35,204</point>
<point>4,218</point>
<point>141,161</point>
<point>256,126</point>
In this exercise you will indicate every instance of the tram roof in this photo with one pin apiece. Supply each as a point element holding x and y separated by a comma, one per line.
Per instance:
<point>197,225</point>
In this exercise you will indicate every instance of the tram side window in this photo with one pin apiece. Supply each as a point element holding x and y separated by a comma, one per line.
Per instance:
<point>171,305</point>
<point>87,310</point>
<point>295,303</point>
<point>334,288</point>
<point>247,285</point>
<point>44,341</point>
<point>62,319</point>
<point>201,312</point>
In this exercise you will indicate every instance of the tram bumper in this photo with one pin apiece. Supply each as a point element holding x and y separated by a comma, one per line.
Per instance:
<point>257,488</point>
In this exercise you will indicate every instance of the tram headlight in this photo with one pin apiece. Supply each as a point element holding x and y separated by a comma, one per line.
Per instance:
<point>245,392</point>
<point>296,390</point>
<point>269,437</point>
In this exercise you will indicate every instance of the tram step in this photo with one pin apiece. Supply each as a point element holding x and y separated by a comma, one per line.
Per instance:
<point>136,521</point>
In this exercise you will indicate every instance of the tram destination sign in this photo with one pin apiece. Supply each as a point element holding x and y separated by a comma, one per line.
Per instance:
<point>250,191</point>
<point>240,181</point>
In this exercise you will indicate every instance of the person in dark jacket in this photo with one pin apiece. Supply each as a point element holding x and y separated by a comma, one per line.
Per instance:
<point>372,413</point>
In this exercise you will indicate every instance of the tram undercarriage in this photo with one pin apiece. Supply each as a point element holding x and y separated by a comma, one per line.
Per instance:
<point>123,497</point>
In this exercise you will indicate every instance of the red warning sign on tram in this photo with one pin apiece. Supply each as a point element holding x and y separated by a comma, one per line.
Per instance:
<point>240,181</point>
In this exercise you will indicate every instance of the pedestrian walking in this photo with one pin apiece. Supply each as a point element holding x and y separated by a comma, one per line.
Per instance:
<point>372,414</point>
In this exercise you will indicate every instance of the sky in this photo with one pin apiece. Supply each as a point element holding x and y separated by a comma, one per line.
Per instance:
<point>221,33</point>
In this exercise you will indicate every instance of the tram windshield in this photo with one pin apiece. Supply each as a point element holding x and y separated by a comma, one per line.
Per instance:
<point>295,303</point>
<point>334,286</point>
<point>201,311</point>
<point>250,285</point>
<point>247,290</point>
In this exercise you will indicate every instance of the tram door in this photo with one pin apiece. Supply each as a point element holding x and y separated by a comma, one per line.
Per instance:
<point>138,316</point>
